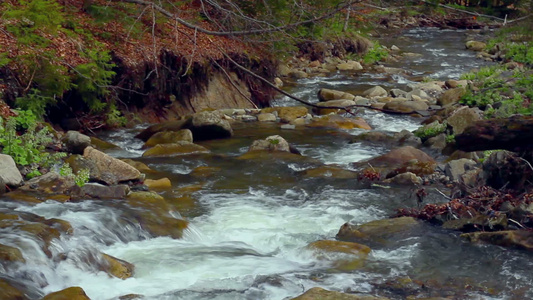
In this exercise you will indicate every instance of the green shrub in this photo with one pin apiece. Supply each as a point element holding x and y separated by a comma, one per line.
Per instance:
<point>375,54</point>
<point>430,130</point>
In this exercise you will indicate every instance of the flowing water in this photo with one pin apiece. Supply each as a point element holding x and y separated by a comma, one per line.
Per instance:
<point>251,221</point>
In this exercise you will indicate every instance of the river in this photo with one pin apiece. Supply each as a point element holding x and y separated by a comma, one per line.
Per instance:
<point>251,221</point>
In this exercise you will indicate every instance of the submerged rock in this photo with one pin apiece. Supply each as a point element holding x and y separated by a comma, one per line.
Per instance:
<point>522,239</point>
<point>329,172</point>
<point>71,293</point>
<point>317,293</point>
<point>117,267</point>
<point>174,149</point>
<point>9,292</point>
<point>346,256</point>
<point>10,254</point>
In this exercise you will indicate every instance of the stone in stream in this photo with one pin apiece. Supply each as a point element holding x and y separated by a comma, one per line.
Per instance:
<point>522,239</point>
<point>329,171</point>
<point>175,149</point>
<point>376,91</point>
<point>328,95</point>
<point>105,168</point>
<point>162,183</point>
<point>71,293</point>
<point>117,267</point>
<point>10,254</point>
<point>287,113</point>
<point>346,256</point>
<point>8,291</point>
<point>208,125</point>
<point>401,160</point>
<point>100,191</point>
<point>174,125</point>
<point>409,106</point>
<point>333,103</point>
<point>169,137</point>
<point>338,122</point>
<point>318,293</point>
<point>475,45</point>
<point>378,231</point>
<point>271,143</point>
<point>9,173</point>
<point>50,182</point>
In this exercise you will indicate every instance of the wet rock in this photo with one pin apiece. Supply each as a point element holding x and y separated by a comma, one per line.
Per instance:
<point>329,172</point>
<point>346,256</point>
<point>476,223</point>
<point>100,191</point>
<point>378,231</point>
<point>462,118</point>
<point>165,126</point>
<point>204,171</point>
<point>208,125</point>
<point>175,149</point>
<point>109,169</point>
<point>456,168</point>
<point>76,142</point>
<point>266,117</point>
<point>338,122</point>
<point>50,182</point>
<point>117,267</point>
<point>406,178</point>
<point>102,145</point>
<point>8,171</point>
<point>71,293</point>
<point>521,239</point>
<point>10,254</point>
<point>162,183</point>
<point>317,293</point>
<point>333,103</point>
<point>271,143</point>
<point>401,160</point>
<point>451,96</point>
<point>169,137</point>
<point>328,95</point>
<point>475,45</point>
<point>151,211</point>
<point>9,292</point>
<point>288,113</point>
<point>142,167</point>
<point>406,106</point>
<point>376,91</point>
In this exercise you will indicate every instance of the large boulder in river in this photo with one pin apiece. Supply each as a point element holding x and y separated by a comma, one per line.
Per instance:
<point>401,160</point>
<point>318,293</point>
<point>328,95</point>
<point>169,137</point>
<point>108,169</point>
<point>9,173</point>
<point>175,149</point>
<point>76,142</point>
<point>208,125</point>
<point>408,106</point>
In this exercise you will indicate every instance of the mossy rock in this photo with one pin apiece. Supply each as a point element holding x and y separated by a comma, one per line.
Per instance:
<point>175,125</point>
<point>329,172</point>
<point>339,122</point>
<point>44,232</point>
<point>169,137</point>
<point>158,184</point>
<point>152,212</point>
<point>9,292</point>
<point>22,197</point>
<point>102,145</point>
<point>117,267</point>
<point>204,171</point>
<point>174,149</point>
<point>378,231</point>
<point>10,254</point>
<point>142,167</point>
<point>71,293</point>
<point>184,203</point>
<point>346,256</point>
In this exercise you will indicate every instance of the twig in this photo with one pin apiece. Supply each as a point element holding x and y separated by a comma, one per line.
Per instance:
<point>516,222</point>
<point>444,195</point>
<point>527,162</point>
